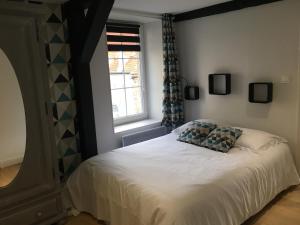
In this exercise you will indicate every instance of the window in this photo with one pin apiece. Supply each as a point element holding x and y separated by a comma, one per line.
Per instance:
<point>126,77</point>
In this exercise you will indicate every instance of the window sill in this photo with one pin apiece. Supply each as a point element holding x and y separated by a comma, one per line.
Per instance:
<point>149,123</point>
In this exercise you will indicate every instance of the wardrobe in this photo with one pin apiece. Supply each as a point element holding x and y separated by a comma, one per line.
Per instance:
<point>33,196</point>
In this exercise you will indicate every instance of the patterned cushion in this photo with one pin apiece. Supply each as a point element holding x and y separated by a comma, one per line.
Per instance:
<point>196,132</point>
<point>222,139</point>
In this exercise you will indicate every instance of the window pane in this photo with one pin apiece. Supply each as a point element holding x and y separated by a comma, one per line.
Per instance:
<point>114,55</point>
<point>132,66</point>
<point>132,80</point>
<point>114,43</point>
<point>116,81</point>
<point>115,65</point>
<point>130,55</point>
<point>129,35</point>
<point>113,33</point>
<point>124,43</point>
<point>134,101</point>
<point>118,103</point>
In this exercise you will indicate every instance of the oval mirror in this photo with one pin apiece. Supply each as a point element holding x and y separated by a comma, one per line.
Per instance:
<point>12,122</point>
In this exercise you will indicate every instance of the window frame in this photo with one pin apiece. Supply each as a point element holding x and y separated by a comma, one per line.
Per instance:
<point>144,114</point>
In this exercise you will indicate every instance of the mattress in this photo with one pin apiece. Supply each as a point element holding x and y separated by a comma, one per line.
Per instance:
<point>166,182</point>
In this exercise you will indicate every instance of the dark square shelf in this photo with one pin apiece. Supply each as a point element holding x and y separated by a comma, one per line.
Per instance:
<point>219,84</point>
<point>191,93</point>
<point>261,92</point>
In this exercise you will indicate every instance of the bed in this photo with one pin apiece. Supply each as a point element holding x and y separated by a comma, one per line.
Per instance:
<point>166,182</point>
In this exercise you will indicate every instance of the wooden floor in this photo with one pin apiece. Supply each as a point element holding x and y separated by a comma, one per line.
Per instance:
<point>284,210</point>
<point>8,174</point>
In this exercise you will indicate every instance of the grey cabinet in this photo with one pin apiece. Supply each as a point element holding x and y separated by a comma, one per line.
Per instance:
<point>33,196</point>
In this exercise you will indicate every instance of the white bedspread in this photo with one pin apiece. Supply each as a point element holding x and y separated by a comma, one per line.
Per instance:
<point>166,182</point>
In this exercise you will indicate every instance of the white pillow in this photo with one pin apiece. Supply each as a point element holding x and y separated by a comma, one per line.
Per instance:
<point>257,140</point>
<point>182,128</point>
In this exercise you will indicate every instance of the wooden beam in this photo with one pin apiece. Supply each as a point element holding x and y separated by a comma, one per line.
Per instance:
<point>221,8</point>
<point>86,3</point>
<point>85,118</point>
<point>82,3</point>
<point>85,32</point>
<point>95,21</point>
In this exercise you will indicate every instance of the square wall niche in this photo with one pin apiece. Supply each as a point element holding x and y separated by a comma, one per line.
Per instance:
<point>219,84</point>
<point>261,92</point>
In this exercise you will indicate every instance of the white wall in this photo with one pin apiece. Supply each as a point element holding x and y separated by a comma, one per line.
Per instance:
<point>12,116</point>
<point>153,55</point>
<point>253,44</point>
<point>106,138</point>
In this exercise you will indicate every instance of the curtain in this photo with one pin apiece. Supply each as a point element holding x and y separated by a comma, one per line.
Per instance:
<point>173,115</point>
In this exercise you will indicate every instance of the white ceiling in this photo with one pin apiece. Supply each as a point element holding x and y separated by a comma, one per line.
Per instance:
<point>158,6</point>
<point>164,6</point>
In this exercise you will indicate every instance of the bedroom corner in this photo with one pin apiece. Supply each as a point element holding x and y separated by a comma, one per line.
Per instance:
<point>139,112</point>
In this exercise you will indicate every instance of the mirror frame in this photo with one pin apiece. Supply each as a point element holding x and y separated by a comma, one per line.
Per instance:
<point>39,171</point>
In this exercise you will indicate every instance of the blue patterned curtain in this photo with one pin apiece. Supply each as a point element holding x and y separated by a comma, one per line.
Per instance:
<point>173,102</point>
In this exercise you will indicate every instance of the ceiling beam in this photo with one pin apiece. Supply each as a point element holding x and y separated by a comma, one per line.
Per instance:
<point>220,8</point>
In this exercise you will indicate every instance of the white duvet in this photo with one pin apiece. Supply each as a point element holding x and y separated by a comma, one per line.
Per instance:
<point>166,182</point>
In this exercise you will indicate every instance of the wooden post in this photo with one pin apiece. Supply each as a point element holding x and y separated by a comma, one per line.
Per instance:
<point>85,32</point>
